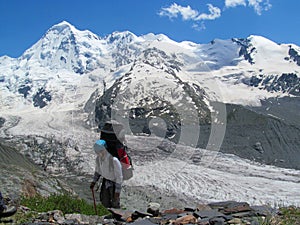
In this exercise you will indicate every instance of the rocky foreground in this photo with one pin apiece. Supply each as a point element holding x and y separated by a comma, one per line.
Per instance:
<point>216,213</point>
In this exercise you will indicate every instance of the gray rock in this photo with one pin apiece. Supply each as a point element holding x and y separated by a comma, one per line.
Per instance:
<point>208,214</point>
<point>220,205</point>
<point>264,210</point>
<point>143,222</point>
<point>217,221</point>
<point>153,208</point>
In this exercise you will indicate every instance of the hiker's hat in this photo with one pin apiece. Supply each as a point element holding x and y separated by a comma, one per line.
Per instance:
<point>99,146</point>
<point>112,130</point>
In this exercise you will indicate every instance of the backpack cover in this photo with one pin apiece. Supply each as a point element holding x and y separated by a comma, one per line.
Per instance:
<point>114,135</point>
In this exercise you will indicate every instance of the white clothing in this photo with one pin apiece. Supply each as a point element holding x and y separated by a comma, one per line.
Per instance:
<point>110,168</point>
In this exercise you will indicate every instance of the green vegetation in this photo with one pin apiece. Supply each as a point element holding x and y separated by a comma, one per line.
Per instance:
<point>21,217</point>
<point>66,203</point>
<point>40,205</point>
<point>288,216</point>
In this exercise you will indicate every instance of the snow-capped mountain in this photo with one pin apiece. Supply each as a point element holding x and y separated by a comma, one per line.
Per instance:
<point>55,95</point>
<point>64,56</point>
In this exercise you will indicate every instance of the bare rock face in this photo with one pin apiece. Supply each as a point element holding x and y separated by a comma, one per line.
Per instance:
<point>19,175</point>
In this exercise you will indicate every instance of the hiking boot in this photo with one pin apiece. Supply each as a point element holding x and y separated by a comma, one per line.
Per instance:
<point>8,211</point>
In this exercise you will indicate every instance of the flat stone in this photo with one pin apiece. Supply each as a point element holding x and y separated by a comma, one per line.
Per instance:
<point>187,219</point>
<point>170,216</point>
<point>156,220</point>
<point>208,214</point>
<point>264,210</point>
<point>243,214</point>
<point>220,205</point>
<point>142,222</point>
<point>120,214</point>
<point>237,207</point>
<point>204,221</point>
<point>138,214</point>
<point>202,207</point>
<point>235,221</point>
<point>78,218</point>
<point>173,211</point>
<point>217,221</point>
<point>69,222</point>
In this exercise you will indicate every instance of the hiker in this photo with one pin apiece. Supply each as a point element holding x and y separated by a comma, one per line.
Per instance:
<point>109,168</point>
<point>4,210</point>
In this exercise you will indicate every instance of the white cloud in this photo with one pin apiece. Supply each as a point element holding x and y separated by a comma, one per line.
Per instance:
<point>188,13</point>
<point>215,13</point>
<point>234,3</point>
<point>199,27</point>
<point>258,5</point>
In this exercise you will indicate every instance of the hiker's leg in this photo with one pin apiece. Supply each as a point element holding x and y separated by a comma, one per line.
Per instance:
<point>114,204</point>
<point>115,198</point>
<point>105,195</point>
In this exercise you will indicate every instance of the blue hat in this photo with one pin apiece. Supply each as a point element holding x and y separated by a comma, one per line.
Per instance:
<point>99,146</point>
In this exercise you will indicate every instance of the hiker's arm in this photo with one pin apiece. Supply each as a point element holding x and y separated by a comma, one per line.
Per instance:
<point>96,174</point>
<point>97,170</point>
<point>95,179</point>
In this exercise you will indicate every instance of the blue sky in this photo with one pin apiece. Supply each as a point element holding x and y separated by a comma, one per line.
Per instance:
<point>23,22</point>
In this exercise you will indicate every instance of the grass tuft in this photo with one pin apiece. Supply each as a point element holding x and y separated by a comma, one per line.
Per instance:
<point>66,203</point>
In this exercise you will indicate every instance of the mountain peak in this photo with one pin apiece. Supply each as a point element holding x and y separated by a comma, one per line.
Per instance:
<point>262,41</point>
<point>62,26</point>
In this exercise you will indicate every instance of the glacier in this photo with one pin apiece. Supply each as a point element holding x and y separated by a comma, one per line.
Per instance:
<point>76,68</point>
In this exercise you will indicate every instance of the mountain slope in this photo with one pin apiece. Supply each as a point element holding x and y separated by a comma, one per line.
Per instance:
<point>260,137</point>
<point>21,176</point>
<point>152,89</point>
<point>61,90</point>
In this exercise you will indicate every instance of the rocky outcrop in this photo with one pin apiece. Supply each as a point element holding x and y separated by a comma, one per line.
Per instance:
<point>20,176</point>
<point>41,98</point>
<point>246,49</point>
<point>261,137</point>
<point>294,55</point>
<point>215,213</point>
<point>285,83</point>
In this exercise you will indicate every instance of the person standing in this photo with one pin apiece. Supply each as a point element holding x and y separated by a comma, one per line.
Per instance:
<point>110,169</point>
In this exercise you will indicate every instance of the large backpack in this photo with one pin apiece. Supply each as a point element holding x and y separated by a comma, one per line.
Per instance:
<point>114,135</point>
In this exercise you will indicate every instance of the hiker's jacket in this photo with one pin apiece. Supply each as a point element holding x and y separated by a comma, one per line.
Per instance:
<point>110,168</point>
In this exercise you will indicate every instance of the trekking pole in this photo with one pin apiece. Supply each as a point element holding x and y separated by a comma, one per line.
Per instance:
<point>95,207</point>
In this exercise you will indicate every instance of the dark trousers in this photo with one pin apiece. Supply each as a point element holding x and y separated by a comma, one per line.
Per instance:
<point>107,194</point>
